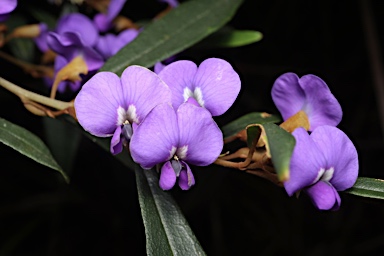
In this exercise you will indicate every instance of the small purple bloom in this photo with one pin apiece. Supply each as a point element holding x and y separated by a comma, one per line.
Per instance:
<point>214,84</point>
<point>322,164</point>
<point>310,94</point>
<point>110,44</point>
<point>71,40</point>
<point>176,138</point>
<point>6,6</point>
<point>103,21</point>
<point>41,40</point>
<point>111,106</point>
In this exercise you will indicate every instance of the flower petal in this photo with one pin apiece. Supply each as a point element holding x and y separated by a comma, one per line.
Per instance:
<point>67,45</point>
<point>219,85</point>
<point>324,196</point>
<point>97,103</point>
<point>186,179</point>
<point>201,140</point>
<point>155,140</point>
<point>7,6</point>
<point>287,95</point>
<point>81,24</point>
<point>116,142</point>
<point>179,77</point>
<point>340,153</point>
<point>93,59</point>
<point>114,8</point>
<point>306,162</point>
<point>167,176</point>
<point>322,107</point>
<point>143,89</point>
<point>41,40</point>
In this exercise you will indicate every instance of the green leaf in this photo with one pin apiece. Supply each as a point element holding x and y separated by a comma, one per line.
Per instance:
<point>253,135</point>
<point>166,230</point>
<point>229,37</point>
<point>179,29</point>
<point>28,144</point>
<point>368,187</point>
<point>280,144</point>
<point>252,118</point>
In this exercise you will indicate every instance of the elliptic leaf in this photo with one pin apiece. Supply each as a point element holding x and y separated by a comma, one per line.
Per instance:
<point>179,29</point>
<point>28,144</point>
<point>368,187</point>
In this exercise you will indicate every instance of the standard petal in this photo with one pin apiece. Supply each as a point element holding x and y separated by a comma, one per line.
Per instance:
<point>92,58</point>
<point>186,179</point>
<point>104,45</point>
<point>7,6</point>
<point>81,24</point>
<point>155,140</point>
<point>340,154</point>
<point>167,176</point>
<point>324,196</point>
<point>179,77</point>
<point>114,8</point>
<point>219,85</point>
<point>97,103</point>
<point>306,163</point>
<point>144,90</point>
<point>201,140</point>
<point>116,142</point>
<point>321,106</point>
<point>124,38</point>
<point>287,95</point>
<point>68,44</point>
<point>41,40</point>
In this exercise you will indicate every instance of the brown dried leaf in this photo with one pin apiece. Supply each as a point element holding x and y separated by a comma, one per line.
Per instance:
<point>300,119</point>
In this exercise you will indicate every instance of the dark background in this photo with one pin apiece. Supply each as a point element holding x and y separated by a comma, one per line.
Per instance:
<point>231,213</point>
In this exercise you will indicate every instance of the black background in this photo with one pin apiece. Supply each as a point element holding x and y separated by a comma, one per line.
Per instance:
<point>231,213</point>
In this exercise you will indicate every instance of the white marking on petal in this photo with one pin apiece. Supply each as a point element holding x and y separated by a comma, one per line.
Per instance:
<point>182,152</point>
<point>172,152</point>
<point>187,93</point>
<point>319,175</point>
<point>198,95</point>
<point>131,113</point>
<point>328,174</point>
<point>324,175</point>
<point>121,115</point>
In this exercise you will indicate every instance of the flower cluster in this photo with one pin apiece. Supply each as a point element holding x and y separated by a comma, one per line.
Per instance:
<point>326,160</point>
<point>166,118</point>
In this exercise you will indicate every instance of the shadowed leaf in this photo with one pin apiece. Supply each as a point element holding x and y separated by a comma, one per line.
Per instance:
<point>28,144</point>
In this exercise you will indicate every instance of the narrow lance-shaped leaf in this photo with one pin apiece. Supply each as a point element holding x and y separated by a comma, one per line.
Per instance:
<point>368,187</point>
<point>229,37</point>
<point>166,230</point>
<point>239,124</point>
<point>28,144</point>
<point>179,29</point>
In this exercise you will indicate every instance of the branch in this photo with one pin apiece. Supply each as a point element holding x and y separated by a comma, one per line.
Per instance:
<point>25,94</point>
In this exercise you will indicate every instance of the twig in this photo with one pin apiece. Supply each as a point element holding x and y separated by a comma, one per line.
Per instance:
<point>25,94</point>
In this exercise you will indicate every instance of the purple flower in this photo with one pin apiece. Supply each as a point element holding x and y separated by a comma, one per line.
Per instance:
<point>172,3</point>
<point>214,84</point>
<point>71,40</point>
<point>176,138</point>
<point>109,106</point>
<point>322,164</point>
<point>110,44</point>
<point>41,39</point>
<point>103,21</point>
<point>6,6</point>
<point>309,94</point>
